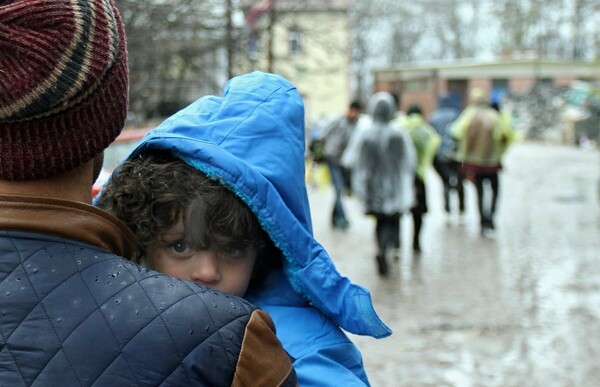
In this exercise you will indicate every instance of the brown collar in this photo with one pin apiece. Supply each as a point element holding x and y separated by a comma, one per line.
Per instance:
<point>72,220</point>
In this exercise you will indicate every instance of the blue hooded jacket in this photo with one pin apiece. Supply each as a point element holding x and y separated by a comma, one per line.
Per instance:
<point>252,140</point>
<point>441,119</point>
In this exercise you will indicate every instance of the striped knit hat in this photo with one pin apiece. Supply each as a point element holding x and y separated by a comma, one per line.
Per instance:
<point>63,84</point>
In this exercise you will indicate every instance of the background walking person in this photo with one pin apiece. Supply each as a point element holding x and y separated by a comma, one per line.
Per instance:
<point>382,158</point>
<point>335,138</point>
<point>483,136</point>
<point>445,163</point>
<point>426,142</point>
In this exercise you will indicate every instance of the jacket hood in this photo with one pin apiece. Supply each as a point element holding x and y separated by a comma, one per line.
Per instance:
<point>252,140</point>
<point>381,107</point>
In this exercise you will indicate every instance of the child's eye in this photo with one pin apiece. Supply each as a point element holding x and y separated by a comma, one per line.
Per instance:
<point>180,247</point>
<point>232,252</point>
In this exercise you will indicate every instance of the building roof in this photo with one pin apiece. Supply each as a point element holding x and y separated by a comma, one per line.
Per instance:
<point>504,68</point>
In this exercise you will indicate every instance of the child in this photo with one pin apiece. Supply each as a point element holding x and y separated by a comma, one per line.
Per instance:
<point>226,190</point>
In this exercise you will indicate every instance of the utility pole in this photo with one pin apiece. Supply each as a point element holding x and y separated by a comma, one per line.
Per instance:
<point>229,38</point>
<point>270,55</point>
<point>577,38</point>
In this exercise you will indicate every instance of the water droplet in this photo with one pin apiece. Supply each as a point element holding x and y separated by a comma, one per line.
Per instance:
<point>79,262</point>
<point>191,332</point>
<point>59,320</point>
<point>18,278</point>
<point>117,301</point>
<point>7,294</point>
<point>207,328</point>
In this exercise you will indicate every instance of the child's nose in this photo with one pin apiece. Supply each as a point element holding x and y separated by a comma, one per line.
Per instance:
<point>206,268</point>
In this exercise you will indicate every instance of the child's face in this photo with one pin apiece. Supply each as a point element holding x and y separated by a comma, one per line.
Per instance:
<point>227,269</point>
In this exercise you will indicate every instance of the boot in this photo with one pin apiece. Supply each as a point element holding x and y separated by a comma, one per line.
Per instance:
<point>382,265</point>
<point>416,246</point>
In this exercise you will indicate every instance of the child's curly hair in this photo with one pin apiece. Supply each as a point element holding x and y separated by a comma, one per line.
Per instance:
<point>150,193</point>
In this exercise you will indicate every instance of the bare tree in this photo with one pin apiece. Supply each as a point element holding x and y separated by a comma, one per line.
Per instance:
<point>586,15</point>
<point>177,51</point>
<point>362,23</point>
<point>182,49</point>
<point>518,22</point>
<point>455,25</point>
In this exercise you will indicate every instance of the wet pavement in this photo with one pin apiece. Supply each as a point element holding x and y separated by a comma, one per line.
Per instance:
<point>519,309</point>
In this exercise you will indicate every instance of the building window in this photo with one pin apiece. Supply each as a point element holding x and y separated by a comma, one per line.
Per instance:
<point>295,41</point>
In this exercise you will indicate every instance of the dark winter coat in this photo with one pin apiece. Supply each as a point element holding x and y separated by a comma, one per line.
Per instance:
<point>72,313</point>
<point>442,119</point>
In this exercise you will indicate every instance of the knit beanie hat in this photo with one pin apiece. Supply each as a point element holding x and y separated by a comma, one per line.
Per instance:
<point>63,84</point>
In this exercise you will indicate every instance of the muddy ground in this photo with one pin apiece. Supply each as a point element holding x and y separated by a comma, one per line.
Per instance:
<point>519,309</point>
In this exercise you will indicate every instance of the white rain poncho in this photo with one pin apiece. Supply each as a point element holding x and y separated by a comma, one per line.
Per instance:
<point>382,158</point>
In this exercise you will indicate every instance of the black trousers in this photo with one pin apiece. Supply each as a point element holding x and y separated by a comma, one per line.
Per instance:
<point>387,231</point>
<point>452,180</point>
<point>486,213</point>
<point>418,211</point>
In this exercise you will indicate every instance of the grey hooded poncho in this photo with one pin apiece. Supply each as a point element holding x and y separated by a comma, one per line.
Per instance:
<point>382,158</point>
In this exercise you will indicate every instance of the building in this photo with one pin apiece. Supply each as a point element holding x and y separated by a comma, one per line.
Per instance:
<point>308,42</point>
<point>422,84</point>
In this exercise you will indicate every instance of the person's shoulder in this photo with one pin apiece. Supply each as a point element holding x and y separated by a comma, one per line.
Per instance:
<point>430,129</point>
<point>211,327</point>
<point>331,123</point>
<point>146,325</point>
<point>112,274</point>
<point>396,128</point>
<point>166,290</point>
